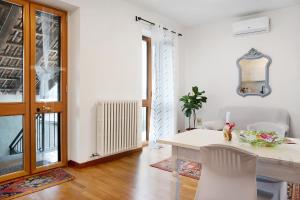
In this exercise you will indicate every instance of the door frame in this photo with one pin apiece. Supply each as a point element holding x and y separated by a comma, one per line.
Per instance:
<point>22,108</point>
<point>26,108</point>
<point>59,107</point>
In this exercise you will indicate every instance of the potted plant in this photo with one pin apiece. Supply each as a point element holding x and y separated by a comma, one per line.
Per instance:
<point>192,103</point>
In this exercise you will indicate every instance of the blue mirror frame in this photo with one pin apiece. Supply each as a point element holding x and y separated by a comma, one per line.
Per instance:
<point>252,55</point>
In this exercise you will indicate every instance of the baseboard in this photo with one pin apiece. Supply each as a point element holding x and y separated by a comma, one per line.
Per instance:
<point>72,163</point>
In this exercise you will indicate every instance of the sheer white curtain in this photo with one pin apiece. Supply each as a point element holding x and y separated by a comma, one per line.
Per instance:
<point>163,112</point>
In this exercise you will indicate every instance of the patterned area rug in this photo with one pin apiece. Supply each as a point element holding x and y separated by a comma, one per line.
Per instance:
<point>26,185</point>
<point>193,170</point>
<point>189,169</point>
<point>293,191</point>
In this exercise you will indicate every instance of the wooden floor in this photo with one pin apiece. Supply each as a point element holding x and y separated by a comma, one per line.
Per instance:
<point>127,178</point>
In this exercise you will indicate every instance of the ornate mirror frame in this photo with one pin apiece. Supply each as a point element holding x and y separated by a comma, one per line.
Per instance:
<point>251,55</point>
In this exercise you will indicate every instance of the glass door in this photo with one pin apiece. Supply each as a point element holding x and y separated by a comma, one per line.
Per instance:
<point>14,90</point>
<point>48,88</point>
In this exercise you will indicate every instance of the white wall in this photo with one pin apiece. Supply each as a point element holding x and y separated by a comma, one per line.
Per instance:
<point>210,58</point>
<point>104,63</point>
<point>74,123</point>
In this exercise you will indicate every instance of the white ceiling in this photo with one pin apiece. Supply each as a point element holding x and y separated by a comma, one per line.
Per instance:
<point>194,12</point>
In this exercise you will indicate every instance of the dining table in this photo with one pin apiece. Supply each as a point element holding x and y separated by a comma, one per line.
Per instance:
<point>280,162</point>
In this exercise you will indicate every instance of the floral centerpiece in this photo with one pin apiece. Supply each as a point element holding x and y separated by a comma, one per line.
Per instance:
<point>261,138</point>
<point>227,131</point>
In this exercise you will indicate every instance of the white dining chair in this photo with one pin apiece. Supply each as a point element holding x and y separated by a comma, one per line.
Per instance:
<point>268,187</point>
<point>227,173</point>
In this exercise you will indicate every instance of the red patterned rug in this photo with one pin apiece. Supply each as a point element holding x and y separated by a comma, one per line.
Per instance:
<point>26,185</point>
<point>189,169</point>
<point>294,191</point>
<point>193,170</point>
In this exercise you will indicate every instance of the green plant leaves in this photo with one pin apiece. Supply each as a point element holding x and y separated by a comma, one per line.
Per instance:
<point>195,90</point>
<point>193,102</point>
<point>188,112</point>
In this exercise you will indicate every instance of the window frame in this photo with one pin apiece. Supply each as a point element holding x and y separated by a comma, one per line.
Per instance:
<point>147,102</point>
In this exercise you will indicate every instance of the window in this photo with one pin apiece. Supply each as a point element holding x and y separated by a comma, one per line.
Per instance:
<point>146,87</point>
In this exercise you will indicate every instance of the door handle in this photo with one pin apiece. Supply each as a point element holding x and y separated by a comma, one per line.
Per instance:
<point>46,108</point>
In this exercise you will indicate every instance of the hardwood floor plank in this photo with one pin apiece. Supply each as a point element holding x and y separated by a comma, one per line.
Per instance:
<point>128,178</point>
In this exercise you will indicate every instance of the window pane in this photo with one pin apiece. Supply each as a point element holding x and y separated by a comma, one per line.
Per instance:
<point>11,144</point>
<point>11,52</point>
<point>47,138</point>
<point>144,70</point>
<point>48,69</point>
<point>144,124</point>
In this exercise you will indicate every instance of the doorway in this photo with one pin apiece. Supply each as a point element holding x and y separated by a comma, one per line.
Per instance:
<point>33,88</point>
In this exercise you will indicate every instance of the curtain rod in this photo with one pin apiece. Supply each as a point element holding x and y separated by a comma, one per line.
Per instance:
<point>153,24</point>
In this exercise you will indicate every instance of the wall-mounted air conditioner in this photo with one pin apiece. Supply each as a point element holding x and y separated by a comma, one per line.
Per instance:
<point>257,25</point>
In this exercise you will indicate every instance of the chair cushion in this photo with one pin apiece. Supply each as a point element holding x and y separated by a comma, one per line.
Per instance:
<point>245,115</point>
<point>214,125</point>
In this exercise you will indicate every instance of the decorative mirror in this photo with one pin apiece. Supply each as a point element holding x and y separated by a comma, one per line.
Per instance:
<point>254,74</point>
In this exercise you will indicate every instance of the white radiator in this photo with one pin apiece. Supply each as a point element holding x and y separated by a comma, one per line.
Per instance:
<point>118,127</point>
